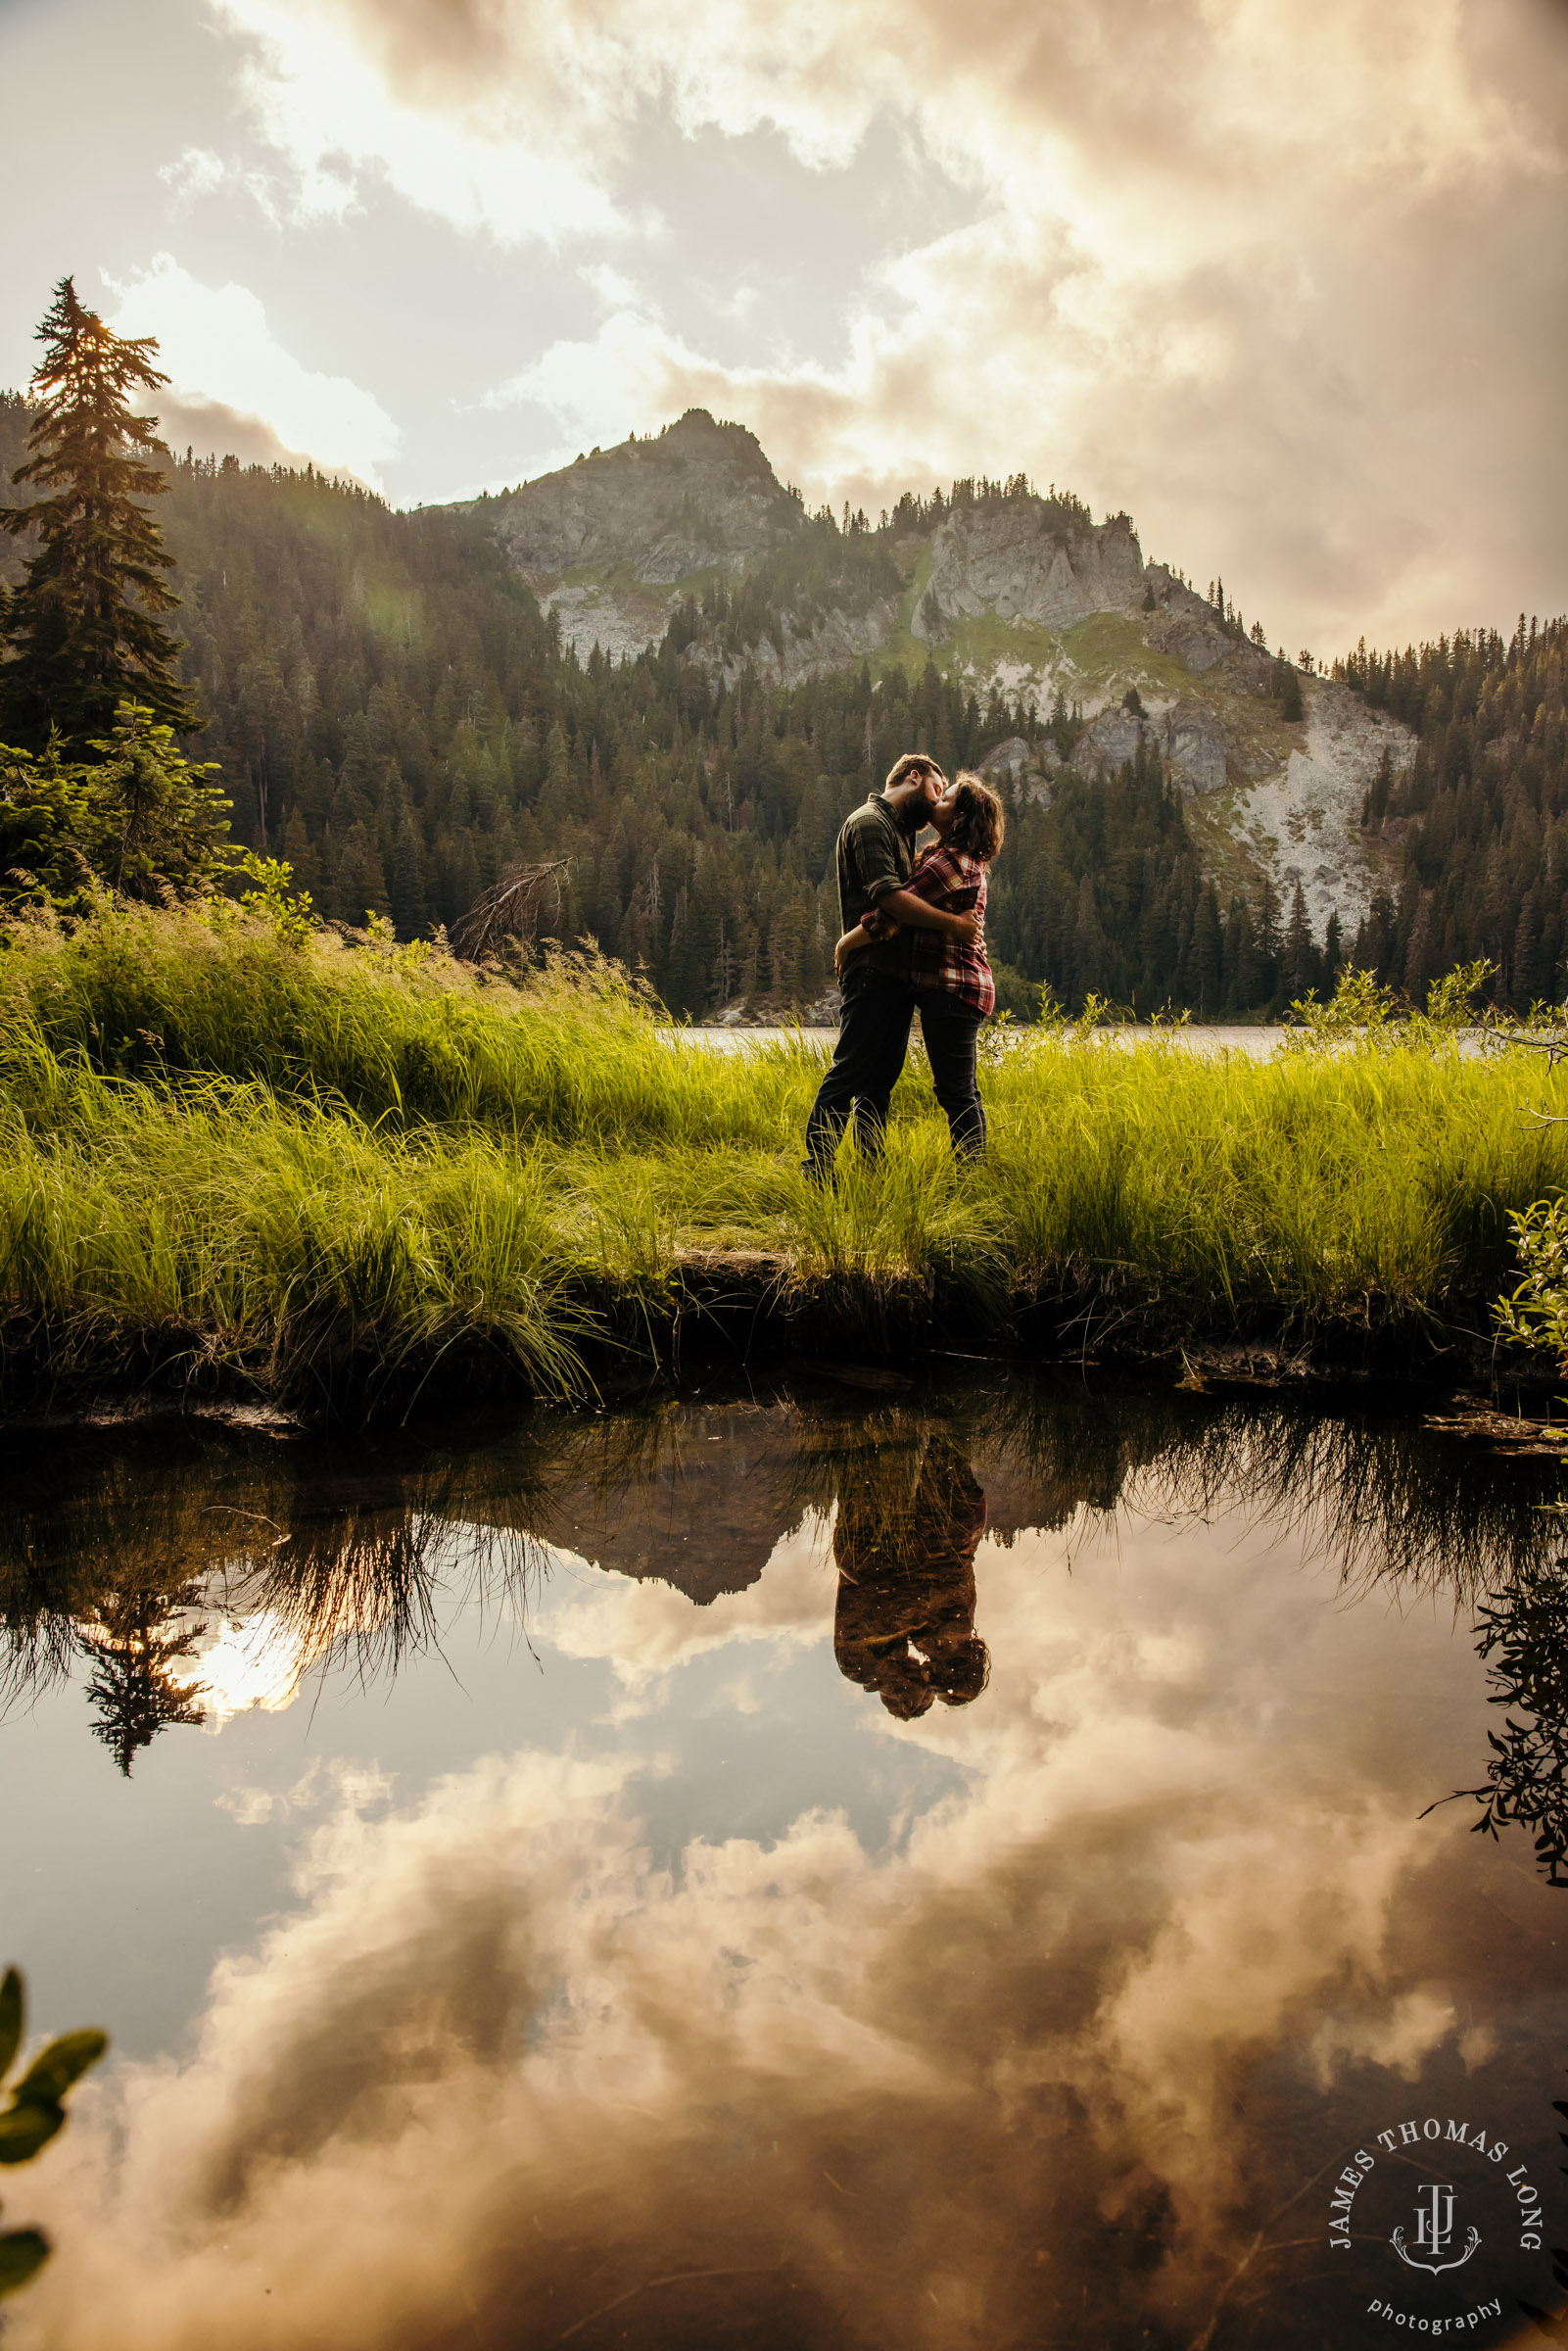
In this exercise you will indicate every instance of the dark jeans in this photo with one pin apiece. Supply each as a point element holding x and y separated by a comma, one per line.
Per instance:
<point>872,1040</point>
<point>950,1029</point>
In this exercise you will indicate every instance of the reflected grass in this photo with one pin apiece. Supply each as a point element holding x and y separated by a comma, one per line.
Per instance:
<point>116,1548</point>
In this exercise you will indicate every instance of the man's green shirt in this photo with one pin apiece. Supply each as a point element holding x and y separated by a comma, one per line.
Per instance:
<point>874,858</point>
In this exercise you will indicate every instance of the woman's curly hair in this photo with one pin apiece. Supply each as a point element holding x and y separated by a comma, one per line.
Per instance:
<point>978,823</point>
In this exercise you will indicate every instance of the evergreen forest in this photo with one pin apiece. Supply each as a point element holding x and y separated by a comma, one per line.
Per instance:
<point>388,709</point>
<point>1480,824</point>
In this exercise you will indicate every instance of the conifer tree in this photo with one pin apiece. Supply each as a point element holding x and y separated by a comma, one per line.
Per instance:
<point>1333,951</point>
<point>1259,976</point>
<point>1287,686</point>
<point>136,1645</point>
<point>1298,957</point>
<point>83,627</point>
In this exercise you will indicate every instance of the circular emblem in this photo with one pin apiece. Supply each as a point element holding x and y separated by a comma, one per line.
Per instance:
<point>1436,2223</point>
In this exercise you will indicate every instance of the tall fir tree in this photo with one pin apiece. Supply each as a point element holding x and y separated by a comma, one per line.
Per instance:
<point>1298,958</point>
<point>136,1644</point>
<point>83,627</point>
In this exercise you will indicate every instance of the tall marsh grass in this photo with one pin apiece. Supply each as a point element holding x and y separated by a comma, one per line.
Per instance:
<point>343,1178</point>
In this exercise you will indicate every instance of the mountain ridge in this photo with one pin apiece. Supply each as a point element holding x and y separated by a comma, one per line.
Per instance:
<point>689,539</point>
<point>391,710</point>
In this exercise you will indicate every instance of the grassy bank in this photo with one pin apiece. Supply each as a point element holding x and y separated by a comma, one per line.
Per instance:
<point>340,1179</point>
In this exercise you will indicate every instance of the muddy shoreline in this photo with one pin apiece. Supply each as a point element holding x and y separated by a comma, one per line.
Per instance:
<point>745,1312</point>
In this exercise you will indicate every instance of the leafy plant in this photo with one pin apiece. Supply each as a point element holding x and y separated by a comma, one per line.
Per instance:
<point>34,2111</point>
<point>1536,1312</point>
<point>1367,1017</point>
<point>275,899</point>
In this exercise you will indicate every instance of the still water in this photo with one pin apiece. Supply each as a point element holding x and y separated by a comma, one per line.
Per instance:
<point>830,1865</point>
<point>1258,1042</point>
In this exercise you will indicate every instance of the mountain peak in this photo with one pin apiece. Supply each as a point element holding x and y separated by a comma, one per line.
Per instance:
<point>697,496</point>
<point>699,429</point>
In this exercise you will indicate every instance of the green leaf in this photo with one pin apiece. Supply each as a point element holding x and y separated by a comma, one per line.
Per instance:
<point>54,2069</point>
<point>22,2252</point>
<point>11,1998</point>
<point>26,2127</point>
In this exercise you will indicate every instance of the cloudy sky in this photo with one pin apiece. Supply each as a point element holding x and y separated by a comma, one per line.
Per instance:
<point>1285,278</point>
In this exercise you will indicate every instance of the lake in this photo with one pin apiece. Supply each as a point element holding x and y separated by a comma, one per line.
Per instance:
<point>1257,1041</point>
<point>843,1863</point>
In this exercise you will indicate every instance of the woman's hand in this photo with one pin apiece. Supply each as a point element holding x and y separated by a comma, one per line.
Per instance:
<point>846,947</point>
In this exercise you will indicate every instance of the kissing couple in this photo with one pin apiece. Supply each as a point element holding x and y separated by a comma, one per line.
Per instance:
<point>914,934</point>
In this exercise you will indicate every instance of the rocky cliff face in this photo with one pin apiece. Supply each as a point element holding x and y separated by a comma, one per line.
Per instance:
<point>1302,821</point>
<point>1023,563</point>
<point>608,543</point>
<point>830,641</point>
<point>1266,796</point>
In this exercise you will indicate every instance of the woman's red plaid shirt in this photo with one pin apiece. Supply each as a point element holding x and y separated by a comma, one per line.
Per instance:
<point>955,881</point>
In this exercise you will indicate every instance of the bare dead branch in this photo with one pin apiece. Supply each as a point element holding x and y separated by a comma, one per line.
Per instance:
<point>509,910</point>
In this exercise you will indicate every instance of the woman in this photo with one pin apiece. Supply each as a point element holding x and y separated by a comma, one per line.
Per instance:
<point>951,975</point>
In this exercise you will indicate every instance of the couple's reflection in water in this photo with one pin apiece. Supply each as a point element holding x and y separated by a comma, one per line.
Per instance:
<point>1126,1998</point>
<point>904,1621</point>
<point>147,1568</point>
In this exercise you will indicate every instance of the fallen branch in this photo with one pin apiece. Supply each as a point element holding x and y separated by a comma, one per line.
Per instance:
<point>508,910</point>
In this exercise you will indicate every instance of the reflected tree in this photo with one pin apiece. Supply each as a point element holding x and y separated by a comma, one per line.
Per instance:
<point>354,1559</point>
<point>1524,1637</point>
<point>114,1551</point>
<point>134,1644</point>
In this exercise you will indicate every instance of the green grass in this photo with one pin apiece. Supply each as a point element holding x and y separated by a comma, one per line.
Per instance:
<point>343,1181</point>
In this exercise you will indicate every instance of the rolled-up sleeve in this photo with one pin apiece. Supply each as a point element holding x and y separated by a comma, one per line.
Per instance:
<point>877,860</point>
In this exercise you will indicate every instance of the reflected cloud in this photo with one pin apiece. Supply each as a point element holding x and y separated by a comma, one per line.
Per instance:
<point>645,1629</point>
<point>246,1662</point>
<point>496,2058</point>
<point>1053,2057</point>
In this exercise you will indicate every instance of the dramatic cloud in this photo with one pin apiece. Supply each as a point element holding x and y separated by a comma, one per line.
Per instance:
<point>493,126</point>
<point>194,174</point>
<point>1285,280</point>
<point>228,370</point>
<point>213,429</point>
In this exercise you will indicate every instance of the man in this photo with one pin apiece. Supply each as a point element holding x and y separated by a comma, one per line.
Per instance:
<point>904,1625</point>
<point>879,1001</point>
